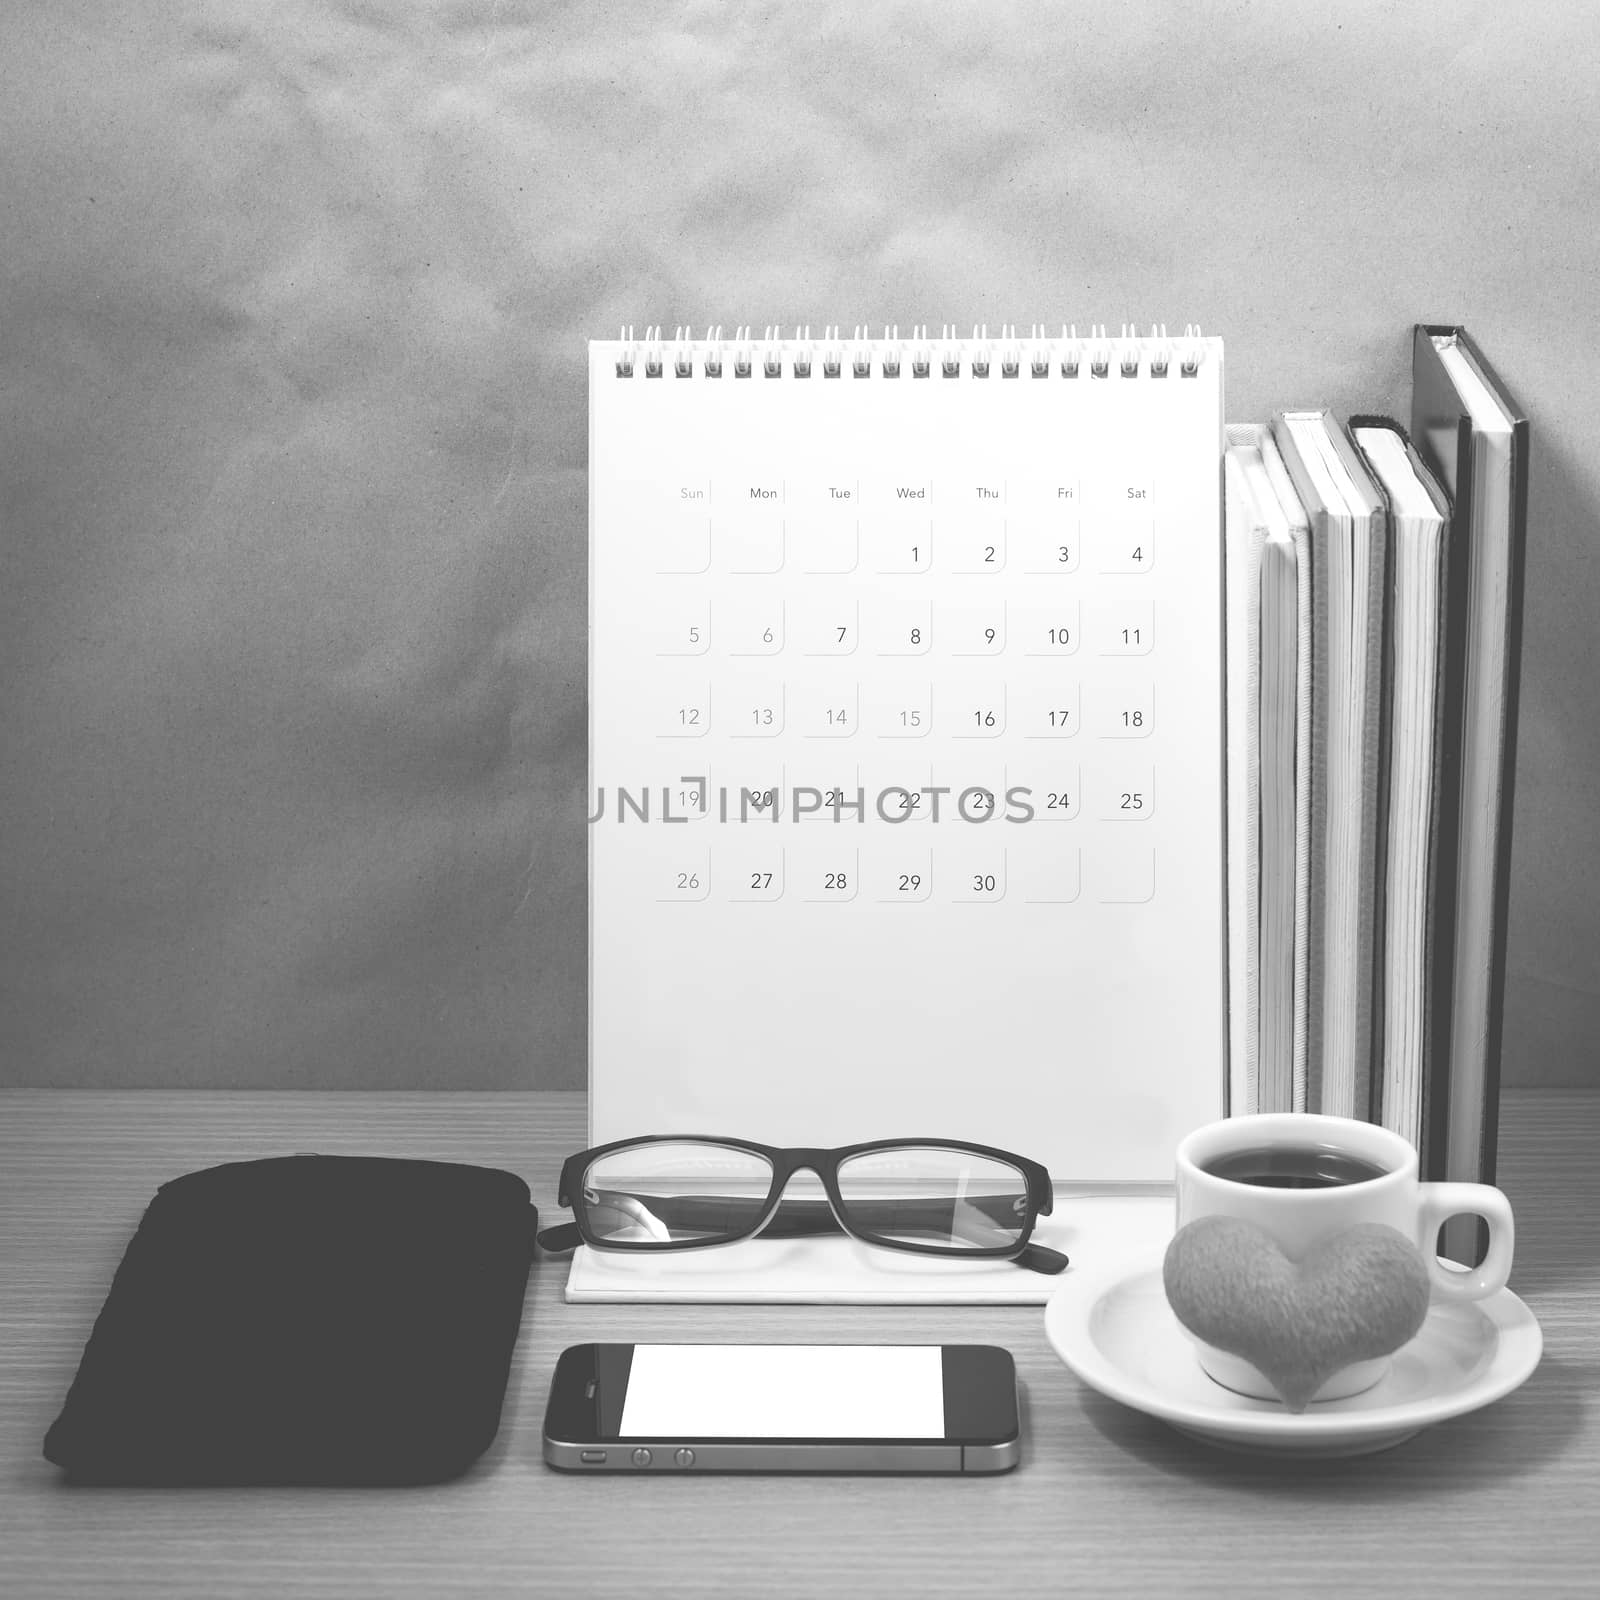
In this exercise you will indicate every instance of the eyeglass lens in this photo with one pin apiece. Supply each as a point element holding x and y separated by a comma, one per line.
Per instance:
<point>672,1193</point>
<point>699,1192</point>
<point>924,1194</point>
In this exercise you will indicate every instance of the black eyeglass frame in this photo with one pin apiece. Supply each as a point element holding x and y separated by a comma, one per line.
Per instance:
<point>825,1164</point>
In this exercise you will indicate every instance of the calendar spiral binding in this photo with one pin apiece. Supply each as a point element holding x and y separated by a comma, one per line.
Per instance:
<point>1039,355</point>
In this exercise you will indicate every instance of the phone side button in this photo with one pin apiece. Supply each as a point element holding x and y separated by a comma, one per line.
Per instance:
<point>684,1458</point>
<point>1000,1456</point>
<point>642,1457</point>
<point>592,1458</point>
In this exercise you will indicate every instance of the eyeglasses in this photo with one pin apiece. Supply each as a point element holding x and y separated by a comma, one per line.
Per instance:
<point>937,1197</point>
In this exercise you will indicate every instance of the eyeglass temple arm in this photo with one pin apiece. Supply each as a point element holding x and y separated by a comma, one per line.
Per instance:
<point>798,1218</point>
<point>566,1236</point>
<point>1041,1258</point>
<point>793,1219</point>
<point>561,1238</point>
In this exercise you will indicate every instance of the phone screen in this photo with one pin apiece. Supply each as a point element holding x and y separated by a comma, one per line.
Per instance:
<point>784,1392</point>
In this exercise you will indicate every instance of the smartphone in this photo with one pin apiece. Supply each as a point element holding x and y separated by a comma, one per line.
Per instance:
<point>783,1408</point>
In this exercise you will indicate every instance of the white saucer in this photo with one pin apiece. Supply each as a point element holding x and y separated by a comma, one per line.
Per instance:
<point>1118,1334</point>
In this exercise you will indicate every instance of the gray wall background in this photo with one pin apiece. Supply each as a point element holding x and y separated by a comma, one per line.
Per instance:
<point>293,302</point>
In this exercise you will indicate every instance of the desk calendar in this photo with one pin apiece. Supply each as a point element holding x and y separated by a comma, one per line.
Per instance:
<point>905,718</point>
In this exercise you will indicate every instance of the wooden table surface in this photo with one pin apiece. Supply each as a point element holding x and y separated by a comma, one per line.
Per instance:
<point>1107,1502</point>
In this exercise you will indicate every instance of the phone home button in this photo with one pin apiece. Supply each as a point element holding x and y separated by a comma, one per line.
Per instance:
<point>684,1458</point>
<point>641,1458</point>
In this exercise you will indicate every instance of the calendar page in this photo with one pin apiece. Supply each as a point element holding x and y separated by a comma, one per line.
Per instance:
<point>906,746</point>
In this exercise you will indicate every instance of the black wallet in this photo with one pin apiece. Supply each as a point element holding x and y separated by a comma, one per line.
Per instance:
<point>307,1319</point>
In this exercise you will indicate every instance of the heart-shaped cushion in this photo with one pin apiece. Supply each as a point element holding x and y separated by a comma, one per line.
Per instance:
<point>1358,1295</point>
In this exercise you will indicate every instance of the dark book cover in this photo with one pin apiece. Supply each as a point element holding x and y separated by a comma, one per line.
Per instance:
<point>1441,426</point>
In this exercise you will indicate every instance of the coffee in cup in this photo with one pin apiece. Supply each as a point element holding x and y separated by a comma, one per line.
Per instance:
<point>1302,1179</point>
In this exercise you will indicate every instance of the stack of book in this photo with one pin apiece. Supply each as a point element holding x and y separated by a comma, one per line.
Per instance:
<point>1374,592</point>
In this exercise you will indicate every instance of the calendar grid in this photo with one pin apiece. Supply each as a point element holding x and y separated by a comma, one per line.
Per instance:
<point>874,718</point>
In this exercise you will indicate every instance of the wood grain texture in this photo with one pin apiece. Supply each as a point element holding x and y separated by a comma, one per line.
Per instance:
<point>1107,1502</point>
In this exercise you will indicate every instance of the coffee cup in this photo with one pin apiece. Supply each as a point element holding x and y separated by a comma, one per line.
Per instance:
<point>1302,1179</point>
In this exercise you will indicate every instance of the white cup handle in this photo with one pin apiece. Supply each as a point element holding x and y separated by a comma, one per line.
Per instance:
<point>1441,1201</point>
